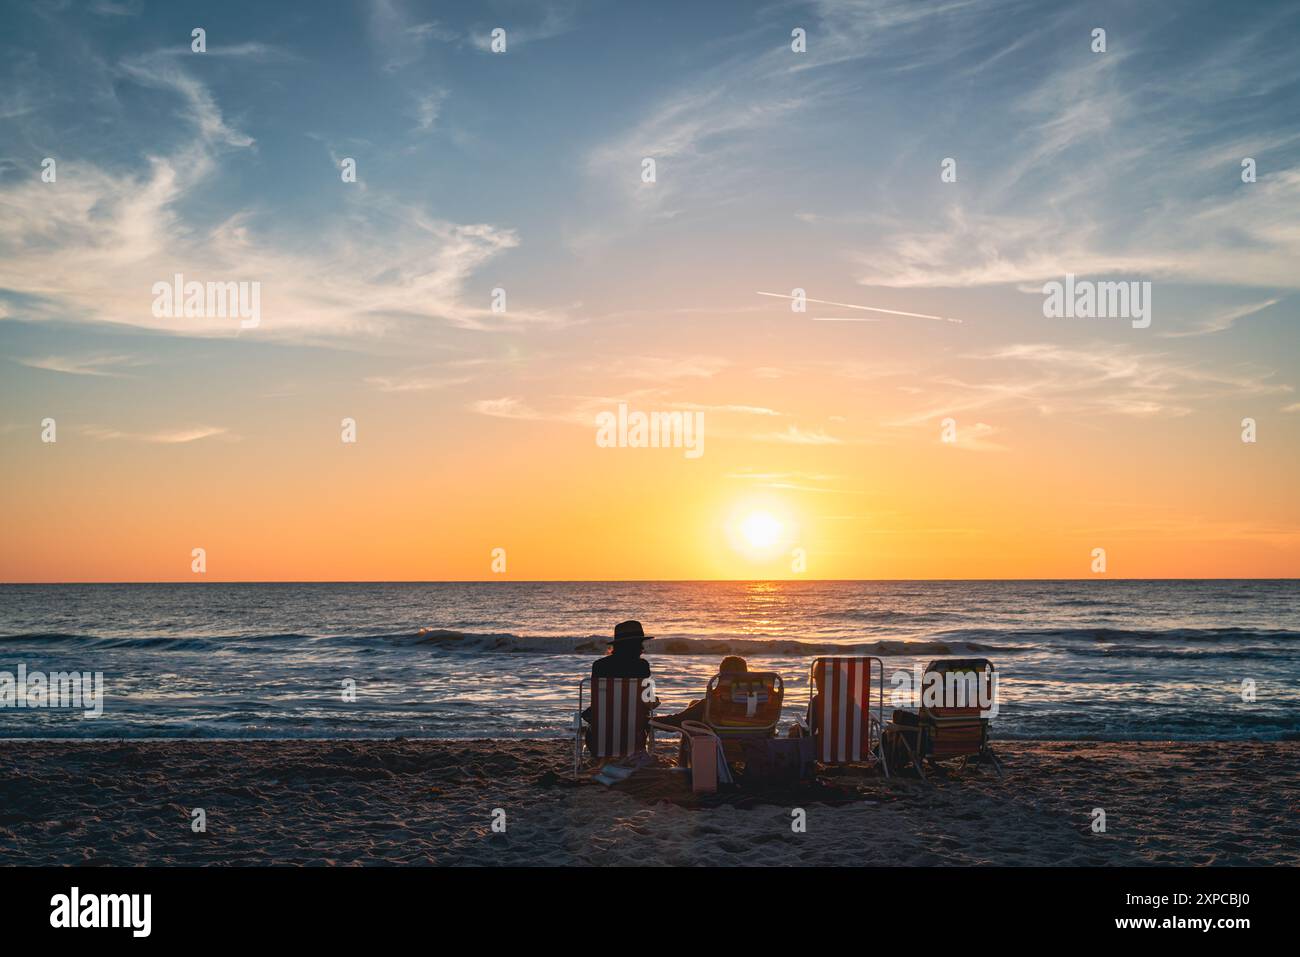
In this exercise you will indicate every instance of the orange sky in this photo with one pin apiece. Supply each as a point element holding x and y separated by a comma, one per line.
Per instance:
<point>427,496</point>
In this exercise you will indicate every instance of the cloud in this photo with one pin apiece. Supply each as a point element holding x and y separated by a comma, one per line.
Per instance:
<point>506,407</point>
<point>1098,380</point>
<point>126,8</point>
<point>167,437</point>
<point>427,109</point>
<point>160,70</point>
<point>792,481</point>
<point>80,365</point>
<point>96,240</point>
<point>694,139</point>
<point>977,437</point>
<point>797,436</point>
<point>1223,320</point>
<point>413,382</point>
<point>724,409</point>
<point>1105,165</point>
<point>661,368</point>
<point>556,19</point>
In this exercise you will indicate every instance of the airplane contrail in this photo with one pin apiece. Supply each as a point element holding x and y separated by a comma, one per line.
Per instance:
<point>849,305</point>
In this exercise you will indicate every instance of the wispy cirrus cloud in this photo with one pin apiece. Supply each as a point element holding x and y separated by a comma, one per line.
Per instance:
<point>414,382</point>
<point>1103,379</point>
<point>544,21</point>
<point>427,109</point>
<point>1222,321</point>
<point>97,240</point>
<point>1104,173</point>
<point>106,366</point>
<point>793,435</point>
<point>976,437</point>
<point>506,407</point>
<point>181,436</point>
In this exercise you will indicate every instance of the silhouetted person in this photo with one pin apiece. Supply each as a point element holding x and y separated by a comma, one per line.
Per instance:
<point>731,665</point>
<point>623,660</point>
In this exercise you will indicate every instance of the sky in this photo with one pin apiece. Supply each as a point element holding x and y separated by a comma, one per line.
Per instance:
<point>943,159</point>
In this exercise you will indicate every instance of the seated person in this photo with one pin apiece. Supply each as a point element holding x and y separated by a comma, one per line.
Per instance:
<point>694,711</point>
<point>622,660</point>
<point>814,706</point>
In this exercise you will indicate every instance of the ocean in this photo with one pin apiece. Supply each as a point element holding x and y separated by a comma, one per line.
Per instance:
<point>1077,660</point>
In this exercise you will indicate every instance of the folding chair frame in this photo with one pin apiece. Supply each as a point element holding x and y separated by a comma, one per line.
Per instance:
<point>918,759</point>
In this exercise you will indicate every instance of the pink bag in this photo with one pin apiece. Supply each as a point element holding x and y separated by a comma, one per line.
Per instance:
<point>705,753</point>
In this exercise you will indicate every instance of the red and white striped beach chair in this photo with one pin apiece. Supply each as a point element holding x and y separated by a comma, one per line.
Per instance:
<point>619,721</point>
<point>844,720</point>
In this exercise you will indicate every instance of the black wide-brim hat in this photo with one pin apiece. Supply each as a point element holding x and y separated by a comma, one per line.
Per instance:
<point>628,631</point>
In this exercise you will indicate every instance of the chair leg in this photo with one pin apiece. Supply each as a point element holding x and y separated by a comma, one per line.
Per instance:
<point>997,765</point>
<point>577,745</point>
<point>916,758</point>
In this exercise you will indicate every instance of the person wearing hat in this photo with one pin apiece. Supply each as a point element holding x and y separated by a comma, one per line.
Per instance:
<point>623,659</point>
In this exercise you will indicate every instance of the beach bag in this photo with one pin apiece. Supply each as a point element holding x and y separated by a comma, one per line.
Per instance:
<point>777,760</point>
<point>708,761</point>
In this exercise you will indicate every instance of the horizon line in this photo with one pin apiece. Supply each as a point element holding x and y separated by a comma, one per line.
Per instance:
<point>616,581</point>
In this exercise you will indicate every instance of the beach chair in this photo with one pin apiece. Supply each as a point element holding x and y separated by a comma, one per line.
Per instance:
<point>844,720</point>
<point>740,706</point>
<point>956,730</point>
<point>619,720</point>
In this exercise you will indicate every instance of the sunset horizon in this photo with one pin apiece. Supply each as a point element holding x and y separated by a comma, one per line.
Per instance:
<point>504,434</point>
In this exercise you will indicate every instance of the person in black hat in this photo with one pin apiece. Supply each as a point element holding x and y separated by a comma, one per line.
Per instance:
<point>623,660</point>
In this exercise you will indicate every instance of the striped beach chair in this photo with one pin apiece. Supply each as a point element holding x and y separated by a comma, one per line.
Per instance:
<point>619,722</point>
<point>844,720</point>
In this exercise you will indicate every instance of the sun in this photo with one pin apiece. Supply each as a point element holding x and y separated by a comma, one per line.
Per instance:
<point>760,530</point>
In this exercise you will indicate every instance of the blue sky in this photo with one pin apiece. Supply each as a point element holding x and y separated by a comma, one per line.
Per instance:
<point>775,170</point>
<point>1120,161</point>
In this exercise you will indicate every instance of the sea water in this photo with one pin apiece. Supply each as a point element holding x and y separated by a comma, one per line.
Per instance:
<point>1118,660</point>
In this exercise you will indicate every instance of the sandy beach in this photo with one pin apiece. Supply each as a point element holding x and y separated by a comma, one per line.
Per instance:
<point>432,803</point>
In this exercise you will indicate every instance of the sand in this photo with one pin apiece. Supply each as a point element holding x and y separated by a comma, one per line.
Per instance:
<point>429,802</point>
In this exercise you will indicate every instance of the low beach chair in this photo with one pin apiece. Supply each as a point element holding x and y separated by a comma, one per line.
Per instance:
<point>619,721</point>
<point>844,722</point>
<point>739,706</point>
<point>953,731</point>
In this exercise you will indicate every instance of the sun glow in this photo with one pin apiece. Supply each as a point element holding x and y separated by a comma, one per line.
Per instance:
<point>760,530</point>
